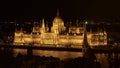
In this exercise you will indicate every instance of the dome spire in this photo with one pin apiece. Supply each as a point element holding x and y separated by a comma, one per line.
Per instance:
<point>57,12</point>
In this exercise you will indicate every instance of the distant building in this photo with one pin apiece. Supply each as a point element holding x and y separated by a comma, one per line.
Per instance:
<point>59,35</point>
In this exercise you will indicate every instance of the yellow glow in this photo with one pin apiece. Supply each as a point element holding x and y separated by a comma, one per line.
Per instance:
<point>53,37</point>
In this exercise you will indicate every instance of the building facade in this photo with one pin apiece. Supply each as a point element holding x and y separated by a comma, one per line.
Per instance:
<point>59,35</point>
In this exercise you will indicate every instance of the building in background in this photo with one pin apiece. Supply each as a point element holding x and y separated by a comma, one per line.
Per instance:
<point>59,35</point>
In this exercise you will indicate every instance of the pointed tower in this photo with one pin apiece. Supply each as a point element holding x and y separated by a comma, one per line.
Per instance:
<point>86,50</point>
<point>43,26</point>
<point>43,23</point>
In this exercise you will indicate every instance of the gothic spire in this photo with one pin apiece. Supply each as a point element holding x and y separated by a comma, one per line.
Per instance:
<point>86,50</point>
<point>85,42</point>
<point>43,23</point>
<point>43,26</point>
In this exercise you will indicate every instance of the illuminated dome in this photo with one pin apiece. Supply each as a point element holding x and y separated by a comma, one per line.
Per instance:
<point>57,20</point>
<point>58,24</point>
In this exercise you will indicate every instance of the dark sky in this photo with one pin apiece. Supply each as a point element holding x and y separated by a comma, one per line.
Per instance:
<point>69,9</point>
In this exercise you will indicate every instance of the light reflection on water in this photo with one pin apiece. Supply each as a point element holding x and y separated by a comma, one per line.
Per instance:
<point>60,54</point>
<point>102,58</point>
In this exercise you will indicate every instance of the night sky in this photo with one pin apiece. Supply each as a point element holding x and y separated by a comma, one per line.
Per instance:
<point>11,10</point>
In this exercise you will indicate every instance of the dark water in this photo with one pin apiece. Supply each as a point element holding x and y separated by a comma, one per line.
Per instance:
<point>107,60</point>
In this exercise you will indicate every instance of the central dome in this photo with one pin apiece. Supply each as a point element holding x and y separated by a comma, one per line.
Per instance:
<point>57,19</point>
<point>58,24</point>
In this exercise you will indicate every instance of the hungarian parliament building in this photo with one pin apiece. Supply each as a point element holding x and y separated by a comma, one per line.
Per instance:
<point>59,35</point>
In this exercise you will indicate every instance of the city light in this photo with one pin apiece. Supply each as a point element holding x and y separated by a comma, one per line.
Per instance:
<point>75,36</point>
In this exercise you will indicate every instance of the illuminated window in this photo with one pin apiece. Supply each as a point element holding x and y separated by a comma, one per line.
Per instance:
<point>94,39</point>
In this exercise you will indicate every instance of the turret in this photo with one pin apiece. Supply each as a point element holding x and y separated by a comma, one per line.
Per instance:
<point>43,23</point>
<point>86,50</point>
<point>18,37</point>
<point>43,26</point>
